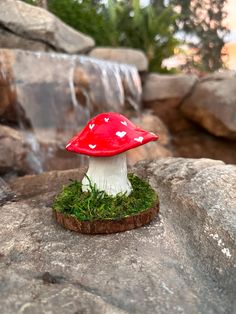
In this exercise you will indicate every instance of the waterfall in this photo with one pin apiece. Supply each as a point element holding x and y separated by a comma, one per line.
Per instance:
<point>58,94</point>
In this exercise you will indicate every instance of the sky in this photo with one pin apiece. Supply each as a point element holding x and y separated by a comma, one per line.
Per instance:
<point>231,45</point>
<point>231,18</point>
<point>231,39</point>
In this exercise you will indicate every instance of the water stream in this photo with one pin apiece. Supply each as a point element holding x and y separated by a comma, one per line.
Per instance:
<point>58,94</point>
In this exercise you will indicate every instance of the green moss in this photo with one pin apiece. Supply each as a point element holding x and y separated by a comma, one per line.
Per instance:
<point>97,205</point>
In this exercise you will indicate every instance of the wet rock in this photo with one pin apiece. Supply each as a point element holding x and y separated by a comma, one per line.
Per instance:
<point>122,55</point>
<point>59,92</point>
<point>181,263</point>
<point>212,104</point>
<point>37,24</point>
<point>13,150</point>
<point>161,87</point>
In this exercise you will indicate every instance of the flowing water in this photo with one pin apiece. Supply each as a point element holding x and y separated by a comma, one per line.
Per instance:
<point>58,94</point>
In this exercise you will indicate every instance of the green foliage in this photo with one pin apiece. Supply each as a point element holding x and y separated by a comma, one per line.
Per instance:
<point>204,22</point>
<point>122,23</point>
<point>97,205</point>
<point>147,29</point>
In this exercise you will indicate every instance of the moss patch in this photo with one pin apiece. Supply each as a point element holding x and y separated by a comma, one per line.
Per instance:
<point>97,205</point>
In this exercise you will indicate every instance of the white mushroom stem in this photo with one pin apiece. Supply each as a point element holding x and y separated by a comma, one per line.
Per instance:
<point>109,174</point>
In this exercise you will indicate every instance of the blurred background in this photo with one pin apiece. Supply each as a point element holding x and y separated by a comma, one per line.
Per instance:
<point>167,65</point>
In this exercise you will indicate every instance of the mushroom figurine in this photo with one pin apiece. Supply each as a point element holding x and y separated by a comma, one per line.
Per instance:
<point>105,139</point>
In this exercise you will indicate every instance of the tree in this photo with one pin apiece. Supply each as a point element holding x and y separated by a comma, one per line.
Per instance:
<point>204,23</point>
<point>147,29</point>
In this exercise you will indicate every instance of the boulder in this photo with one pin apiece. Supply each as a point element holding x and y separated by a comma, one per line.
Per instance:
<point>163,95</point>
<point>167,86</point>
<point>183,262</point>
<point>212,104</point>
<point>122,55</point>
<point>36,24</point>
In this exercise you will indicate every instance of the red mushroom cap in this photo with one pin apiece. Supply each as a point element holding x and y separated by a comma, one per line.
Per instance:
<point>109,134</point>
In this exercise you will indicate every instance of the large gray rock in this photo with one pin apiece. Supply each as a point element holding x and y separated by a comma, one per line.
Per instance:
<point>167,86</point>
<point>183,262</point>
<point>34,23</point>
<point>212,104</point>
<point>133,57</point>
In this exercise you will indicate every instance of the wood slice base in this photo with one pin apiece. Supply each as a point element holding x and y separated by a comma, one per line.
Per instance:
<point>106,226</point>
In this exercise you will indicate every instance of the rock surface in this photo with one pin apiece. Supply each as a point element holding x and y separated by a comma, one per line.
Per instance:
<point>183,262</point>
<point>152,150</point>
<point>195,143</point>
<point>212,104</point>
<point>34,23</point>
<point>161,87</point>
<point>122,55</point>
<point>13,41</point>
<point>13,156</point>
<point>187,136</point>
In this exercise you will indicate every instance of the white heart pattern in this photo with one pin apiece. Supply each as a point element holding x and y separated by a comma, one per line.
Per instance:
<point>91,126</point>
<point>139,139</point>
<point>106,119</point>
<point>92,146</point>
<point>121,134</point>
<point>123,122</point>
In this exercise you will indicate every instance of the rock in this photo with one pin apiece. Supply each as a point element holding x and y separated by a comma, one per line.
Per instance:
<point>212,104</point>
<point>199,198</point>
<point>152,123</point>
<point>162,87</point>
<point>195,143</point>
<point>13,150</point>
<point>152,150</point>
<point>163,95</point>
<point>149,151</point>
<point>13,41</point>
<point>5,192</point>
<point>36,24</point>
<point>45,185</point>
<point>122,55</point>
<point>169,112</point>
<point>180,263</point>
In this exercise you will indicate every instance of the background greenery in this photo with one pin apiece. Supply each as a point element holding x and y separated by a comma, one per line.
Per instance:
<point>152,28</point>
